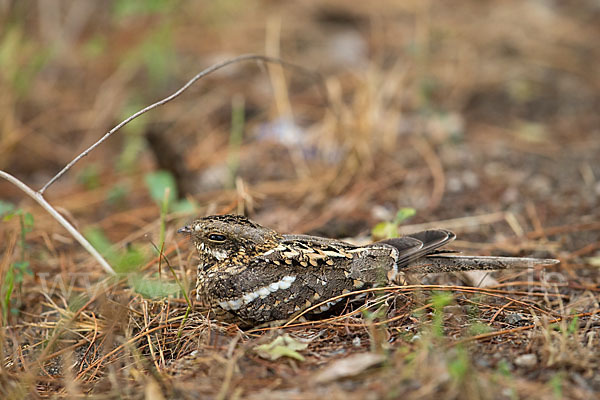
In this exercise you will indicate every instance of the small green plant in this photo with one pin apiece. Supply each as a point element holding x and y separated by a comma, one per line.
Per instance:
<point>89,177</point>
<point>573,325</point>
<point>157,183</point>
<point>564,328</point>
<point>95,46</point>
<point>235,138</point>
<point>128,262</point>
<point>377,331</point>
<point>459,365</point>
<point>556,383</point>
<point>21,59</point>
<point>117,194</point>
<point>439,300</point>
<point>18,269</point>
<point>6,208</point>
<point>155,53</point>
<point>124,8</point>
<point>504,368</point>
<point>124,261</point>
<point>180,285</point>
<point>477,328</point>
<point>153,288</point>
<point>387,230</point>
<point>164,209</point>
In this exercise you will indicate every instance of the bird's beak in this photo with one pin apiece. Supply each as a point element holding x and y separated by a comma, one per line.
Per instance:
<point>185,229</point>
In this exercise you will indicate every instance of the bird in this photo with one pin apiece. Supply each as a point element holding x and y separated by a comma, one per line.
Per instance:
<point>250,274</point>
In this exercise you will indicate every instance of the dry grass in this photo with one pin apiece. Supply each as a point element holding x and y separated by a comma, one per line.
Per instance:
<point>481,116</point>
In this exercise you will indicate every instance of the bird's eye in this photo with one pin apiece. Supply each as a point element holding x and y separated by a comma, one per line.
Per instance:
<point>215,237</point>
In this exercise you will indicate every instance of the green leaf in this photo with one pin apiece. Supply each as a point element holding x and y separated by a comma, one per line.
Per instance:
<point>184,206</point>
<point>152,288</point>
<point>403,214</point>
<point>477,328</point>
<point>131,260</point>
<point>385,230</point>
<point>6,208</point>
<point>98,239</point>
<point>282,346</point>
<point>117,194</point>
<point>123,261</point>
<point>388,230</point>
<point>157,182</point>
<point>89,177</point>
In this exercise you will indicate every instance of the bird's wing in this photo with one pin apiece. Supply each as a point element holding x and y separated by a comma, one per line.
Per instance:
<point>417,245</point>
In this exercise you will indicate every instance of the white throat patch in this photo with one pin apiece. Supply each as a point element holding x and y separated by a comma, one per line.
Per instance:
<point>218,254</point>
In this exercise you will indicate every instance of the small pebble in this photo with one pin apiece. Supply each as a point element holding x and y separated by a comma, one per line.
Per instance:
<point>514,318</point>
<point>526,360</point>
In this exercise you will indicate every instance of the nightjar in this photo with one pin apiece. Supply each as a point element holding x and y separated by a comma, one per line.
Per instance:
<point>250,274</point>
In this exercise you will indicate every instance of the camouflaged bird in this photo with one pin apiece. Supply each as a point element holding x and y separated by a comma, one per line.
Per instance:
<point>250,274</point>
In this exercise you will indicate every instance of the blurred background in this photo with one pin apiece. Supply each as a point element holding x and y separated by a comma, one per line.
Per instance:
<point>458,109</point>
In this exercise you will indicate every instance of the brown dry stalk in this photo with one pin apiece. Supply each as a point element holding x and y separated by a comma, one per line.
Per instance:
<point>521,328</point>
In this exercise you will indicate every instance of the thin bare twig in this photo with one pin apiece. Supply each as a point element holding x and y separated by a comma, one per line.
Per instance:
<point>213,68</point>
<point>37,196</point>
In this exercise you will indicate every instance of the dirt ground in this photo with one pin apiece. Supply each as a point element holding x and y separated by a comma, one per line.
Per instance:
<point>482,117</point>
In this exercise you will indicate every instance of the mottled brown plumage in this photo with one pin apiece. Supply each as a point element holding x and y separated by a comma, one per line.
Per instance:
<point>251,274</point>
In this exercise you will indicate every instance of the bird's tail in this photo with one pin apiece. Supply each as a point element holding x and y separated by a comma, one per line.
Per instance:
<point>454,263</point>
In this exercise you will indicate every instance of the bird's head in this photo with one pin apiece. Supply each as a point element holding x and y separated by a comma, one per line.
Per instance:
<point>229,237</point>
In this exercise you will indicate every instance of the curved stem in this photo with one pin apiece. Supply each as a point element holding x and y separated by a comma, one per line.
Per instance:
<point>39,198</point>
<point>201,74</point>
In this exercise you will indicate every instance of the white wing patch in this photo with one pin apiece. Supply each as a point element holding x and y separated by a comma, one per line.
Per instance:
<point>237,303</point>
<point>329,304</point>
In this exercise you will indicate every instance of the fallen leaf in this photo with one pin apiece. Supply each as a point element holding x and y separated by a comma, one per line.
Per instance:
<point>593,261</point>
<point>348,367</point>
<point>282,346</point>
